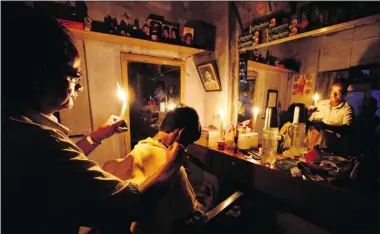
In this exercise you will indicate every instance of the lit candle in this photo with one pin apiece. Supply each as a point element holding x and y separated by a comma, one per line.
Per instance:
<point>296,114</point>
<point>255,113</point>
<point>315,98</point>
<point>162,107</point>
<point>123,97</point>
<point>221,114</point>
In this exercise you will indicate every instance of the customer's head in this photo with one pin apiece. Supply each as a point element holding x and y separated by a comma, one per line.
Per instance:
<point>182,117</point>
<point>337,92</point>
<point>40,65</point>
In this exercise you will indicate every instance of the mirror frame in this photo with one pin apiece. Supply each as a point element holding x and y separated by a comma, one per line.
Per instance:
<point>126,58</point>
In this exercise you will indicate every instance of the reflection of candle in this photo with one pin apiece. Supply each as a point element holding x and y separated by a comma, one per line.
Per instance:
<point>221,114</point>
<point>255,113</point>
<point>171,106</point>
<point>123,97</point>
<point>296,114</point>
<point>315,98</point>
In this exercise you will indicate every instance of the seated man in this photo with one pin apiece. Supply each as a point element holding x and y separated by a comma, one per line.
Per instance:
<point>333,119</point>
<point>146,158</point>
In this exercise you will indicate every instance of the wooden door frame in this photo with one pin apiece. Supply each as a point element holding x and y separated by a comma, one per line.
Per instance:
<point>129,57</point>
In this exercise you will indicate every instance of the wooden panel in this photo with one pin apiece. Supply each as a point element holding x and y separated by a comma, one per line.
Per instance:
<point>335,58</point>
<point>78,119</point>
<point>340,38</point>
<point>366,52</point>
<point>255,65</point>
<point>367,31</point>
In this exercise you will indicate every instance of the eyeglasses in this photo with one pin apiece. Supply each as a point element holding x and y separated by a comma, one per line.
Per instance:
<point>74,80</point>
<point>74,77</point>
<point>335,92</point>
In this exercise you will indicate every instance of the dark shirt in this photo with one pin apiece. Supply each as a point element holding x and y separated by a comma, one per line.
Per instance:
<point>50,186</point>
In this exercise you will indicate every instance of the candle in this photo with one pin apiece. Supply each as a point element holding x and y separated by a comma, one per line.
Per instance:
<point>267,118</point>
<point>296,114</point>
<point>162,107</point>
<point>123,97</point>
<point>221,115</point>
<point>255,113</point>
<point>315,98</point>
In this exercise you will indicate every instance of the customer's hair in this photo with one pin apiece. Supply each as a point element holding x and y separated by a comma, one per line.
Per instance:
<point>35,50</point>
<point>343,83</point>
<point>179,118</point>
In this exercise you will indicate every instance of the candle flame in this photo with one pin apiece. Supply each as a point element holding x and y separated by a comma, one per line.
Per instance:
<point>171,106</point>
<point>316,97</point>
<point>221,113</point>
<point>256,110</point>
<point>121,94</point>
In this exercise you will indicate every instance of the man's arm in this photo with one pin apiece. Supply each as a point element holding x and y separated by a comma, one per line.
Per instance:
<point>86,146</point>
<point>81,189</point>
<point>105,131</point>
<point>347,122</point>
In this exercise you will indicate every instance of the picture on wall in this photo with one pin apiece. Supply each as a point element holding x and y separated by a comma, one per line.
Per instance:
<point>208,73</point>
<point>303,87</point>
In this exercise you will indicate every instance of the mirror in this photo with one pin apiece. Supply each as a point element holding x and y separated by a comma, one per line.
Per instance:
<point>246,99</point>
<point>155,85</point>
<point>154,89</point>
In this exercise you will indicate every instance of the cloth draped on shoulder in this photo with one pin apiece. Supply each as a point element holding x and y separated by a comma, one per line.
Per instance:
<point>147,157</point>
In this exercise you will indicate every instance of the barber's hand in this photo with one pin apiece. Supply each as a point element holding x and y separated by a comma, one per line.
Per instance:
<point>176,155</point>
<point>311,109</point>
<point>319,125</point>
<point>108,128</point>
<point>188,136</point>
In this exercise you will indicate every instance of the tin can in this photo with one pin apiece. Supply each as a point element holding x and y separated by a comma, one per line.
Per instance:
<point>221,144</point>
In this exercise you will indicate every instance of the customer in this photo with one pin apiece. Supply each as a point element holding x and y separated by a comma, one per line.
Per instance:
<point>48,184</point>
<point>334,117</point>
<point>146,158</point>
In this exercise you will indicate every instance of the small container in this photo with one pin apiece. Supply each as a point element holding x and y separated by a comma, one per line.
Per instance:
<point>155,24</point>
<point>166,28</point>
<point>188,36</point>
<point>175,38</point>
<point>221,144</point>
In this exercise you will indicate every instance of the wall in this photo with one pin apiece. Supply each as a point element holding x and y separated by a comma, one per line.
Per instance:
<point>269,80</point>
<point>104,68</point>
<point>335,51</point>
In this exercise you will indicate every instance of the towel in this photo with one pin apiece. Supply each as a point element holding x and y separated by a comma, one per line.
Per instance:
<point>179,201</point>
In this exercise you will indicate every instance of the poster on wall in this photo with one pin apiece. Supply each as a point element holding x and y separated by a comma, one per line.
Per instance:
<point>303,87</point>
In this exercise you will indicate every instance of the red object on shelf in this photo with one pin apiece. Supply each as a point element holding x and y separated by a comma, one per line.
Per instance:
<point>314,155</point>
<point>71,24</point>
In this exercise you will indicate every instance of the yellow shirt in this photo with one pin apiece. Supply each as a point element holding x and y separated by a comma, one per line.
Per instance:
<point>178,203</point>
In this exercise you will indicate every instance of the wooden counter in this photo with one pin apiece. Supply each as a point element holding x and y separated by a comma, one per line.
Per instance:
<point>344,207</point>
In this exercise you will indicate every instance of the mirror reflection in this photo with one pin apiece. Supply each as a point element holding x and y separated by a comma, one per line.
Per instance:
<point>154,89</point>
<point>246,96</point>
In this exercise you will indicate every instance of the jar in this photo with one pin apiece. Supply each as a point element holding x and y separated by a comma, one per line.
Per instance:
<point>269,145</point>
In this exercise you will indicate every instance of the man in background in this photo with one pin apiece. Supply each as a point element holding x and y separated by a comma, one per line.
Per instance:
<point>333,118</point>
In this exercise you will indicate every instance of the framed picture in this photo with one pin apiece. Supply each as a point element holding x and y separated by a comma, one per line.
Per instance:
<point>272,98</point>
<point>208,73</point>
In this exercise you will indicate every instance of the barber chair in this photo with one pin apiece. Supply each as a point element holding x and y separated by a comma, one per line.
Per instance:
<point>212,220</point>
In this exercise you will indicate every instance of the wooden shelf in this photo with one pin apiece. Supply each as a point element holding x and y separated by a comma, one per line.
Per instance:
<point>253,64</point>
<point>133,42</point>
<point>319,32</point>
